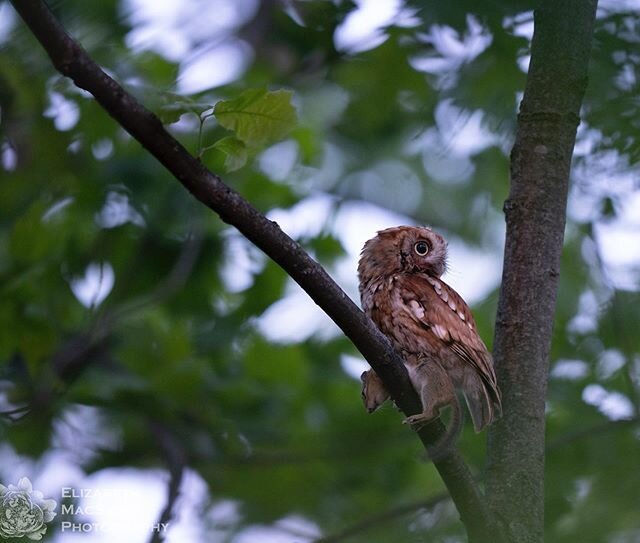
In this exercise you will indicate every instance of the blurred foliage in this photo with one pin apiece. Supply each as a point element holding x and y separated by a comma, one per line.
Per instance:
<point>420,124</point>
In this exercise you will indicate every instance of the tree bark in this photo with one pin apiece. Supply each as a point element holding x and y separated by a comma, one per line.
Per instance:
<point>535,214</point>
<point>72,61</point>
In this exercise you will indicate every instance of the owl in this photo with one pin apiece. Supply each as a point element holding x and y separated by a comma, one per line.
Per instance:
<point>428,323</point>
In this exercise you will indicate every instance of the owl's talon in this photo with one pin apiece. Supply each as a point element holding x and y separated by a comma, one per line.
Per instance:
<point>419,420</point>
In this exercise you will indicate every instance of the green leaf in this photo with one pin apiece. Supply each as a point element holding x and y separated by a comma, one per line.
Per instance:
<point>258,117</point>
<point>309,142</point>
<point>171,113</point>
<point>235,152</point>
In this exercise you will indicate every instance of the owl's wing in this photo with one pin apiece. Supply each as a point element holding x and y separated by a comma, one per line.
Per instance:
<point>442,312</point>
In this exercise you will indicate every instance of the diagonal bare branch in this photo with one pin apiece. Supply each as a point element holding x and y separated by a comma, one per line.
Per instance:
<point>72,61</point>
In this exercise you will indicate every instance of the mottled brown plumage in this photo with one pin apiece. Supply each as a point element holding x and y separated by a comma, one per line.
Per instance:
<point>428,323</point>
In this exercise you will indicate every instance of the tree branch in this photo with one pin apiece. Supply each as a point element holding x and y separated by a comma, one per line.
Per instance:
<point>535,215</point>
<point>72,61</point>
<point>593,431</point>
<point>91,346</point>
<point>176,458</point>
<point>372,521</point>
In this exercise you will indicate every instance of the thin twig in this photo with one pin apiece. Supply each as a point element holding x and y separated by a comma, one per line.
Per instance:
<point>13,415</point>
<point>591,432</point>
<point>372,521</point>
<point>87,348</point>
<point>176,458</point>
<point>172,283</point>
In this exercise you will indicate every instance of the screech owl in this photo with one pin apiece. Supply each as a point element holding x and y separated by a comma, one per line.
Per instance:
<point>428,323</point>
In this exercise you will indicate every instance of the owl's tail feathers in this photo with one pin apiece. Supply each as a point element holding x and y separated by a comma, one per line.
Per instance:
<point>483,402</point>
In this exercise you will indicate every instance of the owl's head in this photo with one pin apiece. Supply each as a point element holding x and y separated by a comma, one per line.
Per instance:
<point>403,249</point>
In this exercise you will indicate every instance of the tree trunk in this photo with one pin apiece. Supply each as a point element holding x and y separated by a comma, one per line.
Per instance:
<point>535,214</point>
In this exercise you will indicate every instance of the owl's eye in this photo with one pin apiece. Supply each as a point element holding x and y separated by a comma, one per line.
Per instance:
<point>421,248</point>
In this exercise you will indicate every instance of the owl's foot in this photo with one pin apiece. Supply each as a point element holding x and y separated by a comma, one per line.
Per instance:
<point>420,420</point>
